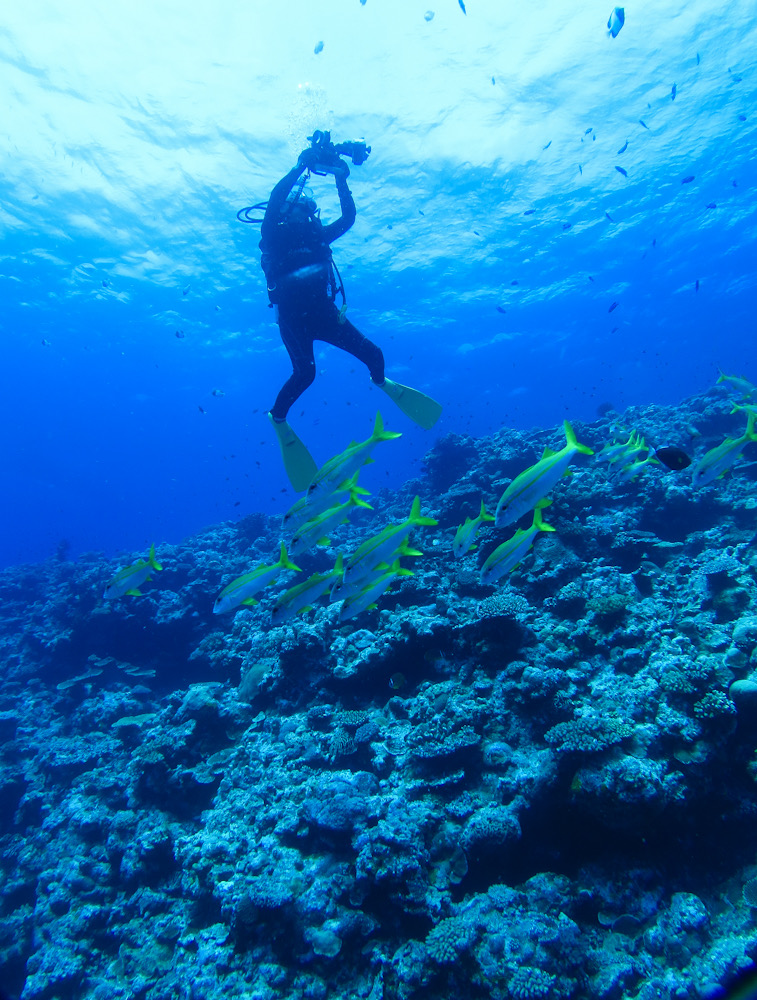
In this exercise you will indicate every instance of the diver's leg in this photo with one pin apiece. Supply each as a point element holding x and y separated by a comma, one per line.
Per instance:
<point>422,409</point>
<point>299,464</point>
<point>299,346</point>
<point>347,336</point>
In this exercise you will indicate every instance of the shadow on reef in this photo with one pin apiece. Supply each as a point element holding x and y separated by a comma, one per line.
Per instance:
<point>693,844</point>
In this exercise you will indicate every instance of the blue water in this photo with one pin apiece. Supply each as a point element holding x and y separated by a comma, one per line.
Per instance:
<point>132,138</point>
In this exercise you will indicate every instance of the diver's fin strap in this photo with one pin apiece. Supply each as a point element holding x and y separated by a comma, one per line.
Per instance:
<point>299,464</point>
<point>422,409</point>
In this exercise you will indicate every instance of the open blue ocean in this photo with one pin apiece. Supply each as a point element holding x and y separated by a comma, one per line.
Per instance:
<point>494,735</point>
<point>133,136</point>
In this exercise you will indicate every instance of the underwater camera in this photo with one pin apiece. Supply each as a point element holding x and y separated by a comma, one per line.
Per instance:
<point>329,152</point>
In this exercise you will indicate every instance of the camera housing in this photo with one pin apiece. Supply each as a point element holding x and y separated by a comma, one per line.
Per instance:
<point>329,152</point>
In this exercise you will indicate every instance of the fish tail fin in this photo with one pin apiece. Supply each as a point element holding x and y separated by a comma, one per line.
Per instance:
<point>417,518</point>
<point>285,562</point>
<point>407,550</point>
<point>379,434</point>
<point>749,433</point>
<point>537,522</point>
<point>399,570</point>
<point>355,500</point>
<point>572,440</point>
<point>151,558</point>
<point>338,565</point>
<point>483,515</point>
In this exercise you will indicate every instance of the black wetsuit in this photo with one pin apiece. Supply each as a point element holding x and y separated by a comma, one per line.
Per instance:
<point>296,259</point>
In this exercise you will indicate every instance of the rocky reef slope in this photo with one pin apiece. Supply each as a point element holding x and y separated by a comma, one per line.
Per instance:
<point>543,788</point>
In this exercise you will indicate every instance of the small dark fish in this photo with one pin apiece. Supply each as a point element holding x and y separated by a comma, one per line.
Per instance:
<point>530,211</point>
<point>45,343</point>
<point>622,171</point>
<point>493,81</point>
<point>588,131</point>
<point>594,138</point>
<point>673,92</point>
<point>742,118</point>
<point>180,334</point>
<point>217,392</point>
<point>614,329</point>
<point>696,286</point>
<point>697,58</point>
<point>397,681</point>
<point>428,16</point>
<point>616,20</point>
<point>501,310</point>
<point>580,169</point>
<point>674,458</point>
<point>421,212</point>
<point>513,282</point>
<point>643,123</point>
<point>476,232</point>
<point>613,306</point>
<point>318,48</point>
<point>567,225</point>
<point>712,204</point>
<point>736,79</point>
<point>462,6</point>
<point>237,503</point>
<point>623,148</point>
<point>201,409</point>
<point>688,180</point>
<point>548,145</point>
<point>590,278</point>
<point>608,216</point>
<point>105,284</point>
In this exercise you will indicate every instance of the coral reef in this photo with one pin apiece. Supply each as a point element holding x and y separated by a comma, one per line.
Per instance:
<point>540,789</point>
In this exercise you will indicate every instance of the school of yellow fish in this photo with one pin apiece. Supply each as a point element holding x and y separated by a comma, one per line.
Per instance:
<point>360,578</point>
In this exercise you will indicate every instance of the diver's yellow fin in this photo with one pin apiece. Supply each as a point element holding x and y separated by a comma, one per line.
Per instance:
<point>422,409</point>
<point>299,464</point>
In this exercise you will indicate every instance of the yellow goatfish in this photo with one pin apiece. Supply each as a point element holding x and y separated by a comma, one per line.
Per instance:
<point>718,460</point>
<point>303,595</point>
<point>527,489</point>
<point>506,556</point>
<point>129,579</point>
<point>466,533</point>
<point>240,591</point>
<point>347,462</point>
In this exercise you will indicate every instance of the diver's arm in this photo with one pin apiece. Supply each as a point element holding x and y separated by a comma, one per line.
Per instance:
<point>279,194</point>
<point>347,205</point>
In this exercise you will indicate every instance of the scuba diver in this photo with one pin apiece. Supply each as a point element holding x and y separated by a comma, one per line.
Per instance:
<point>303,283</point>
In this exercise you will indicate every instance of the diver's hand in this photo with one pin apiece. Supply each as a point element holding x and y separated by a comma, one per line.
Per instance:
<point>308,158</point>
